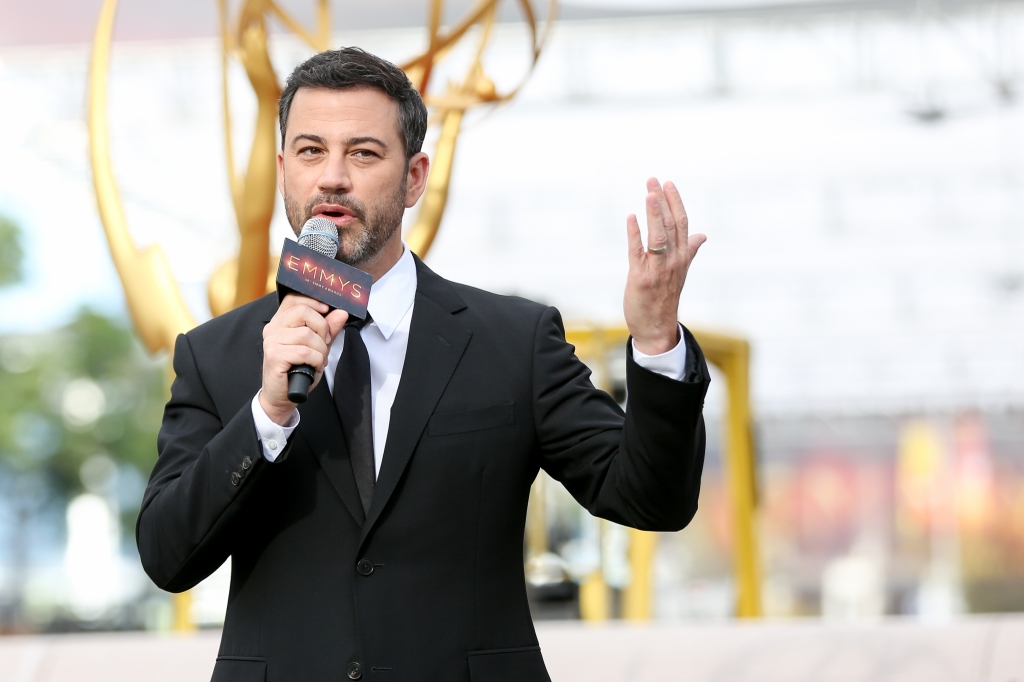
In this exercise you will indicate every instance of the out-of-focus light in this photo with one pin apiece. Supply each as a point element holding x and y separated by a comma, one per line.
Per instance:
<point>98,474</point>
<point>583,554</point>
<point>975,476</point>
<point>615,557</point>
<point>546,569</point>
<point>210,597</point>
<point>83,403</point>
<point>17,356</point>
<point>826,501</point>
<point>853,588</point>
<point>921,473</point>
<point>92,561</point>
<point>940,597</point>
<point>35,435</point>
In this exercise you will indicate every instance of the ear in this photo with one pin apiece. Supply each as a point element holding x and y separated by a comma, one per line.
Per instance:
<point>416,180</point>
<point>280,173</point>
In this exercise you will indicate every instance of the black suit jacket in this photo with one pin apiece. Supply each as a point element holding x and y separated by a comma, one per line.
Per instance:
<point>428,586</point>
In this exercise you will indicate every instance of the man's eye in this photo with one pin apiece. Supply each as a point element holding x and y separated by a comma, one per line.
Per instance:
<point>364,153</point>
<point>309,151</point>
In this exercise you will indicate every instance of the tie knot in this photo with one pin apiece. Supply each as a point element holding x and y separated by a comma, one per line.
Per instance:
<point>358,324</point>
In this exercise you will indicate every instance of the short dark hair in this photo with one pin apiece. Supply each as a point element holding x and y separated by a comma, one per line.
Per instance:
<point>352,67</point>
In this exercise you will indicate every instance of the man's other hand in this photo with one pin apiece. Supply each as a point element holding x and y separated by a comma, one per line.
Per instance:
<point>656,274</point>
<point>299,334</point>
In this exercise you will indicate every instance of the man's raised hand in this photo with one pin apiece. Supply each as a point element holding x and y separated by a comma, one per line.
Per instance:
<point>298,334</point>
<point>656,274</point>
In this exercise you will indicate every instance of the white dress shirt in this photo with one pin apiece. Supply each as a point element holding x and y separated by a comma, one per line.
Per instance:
<point>386,338</point>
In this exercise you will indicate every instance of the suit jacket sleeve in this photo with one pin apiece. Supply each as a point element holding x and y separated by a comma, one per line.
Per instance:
<point>641,471</point>
<point>192,501</point>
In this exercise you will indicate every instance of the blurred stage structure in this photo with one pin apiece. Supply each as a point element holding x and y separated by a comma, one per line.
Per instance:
<point>601,349</point>
<point>159,312</point>
<point>977,650</point>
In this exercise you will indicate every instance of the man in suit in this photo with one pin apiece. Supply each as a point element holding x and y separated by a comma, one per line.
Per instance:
<point>376,531</point>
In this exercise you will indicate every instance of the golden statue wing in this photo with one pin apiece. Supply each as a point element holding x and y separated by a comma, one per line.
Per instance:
<point>155,303</point>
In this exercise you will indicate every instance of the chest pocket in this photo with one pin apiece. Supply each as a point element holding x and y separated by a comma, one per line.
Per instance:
<point>481,418</point>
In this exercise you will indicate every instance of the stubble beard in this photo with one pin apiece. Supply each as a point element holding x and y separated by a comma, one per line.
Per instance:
<point>357,246</point>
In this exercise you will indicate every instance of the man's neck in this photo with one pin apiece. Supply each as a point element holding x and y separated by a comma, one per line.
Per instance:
<point>379,265</point>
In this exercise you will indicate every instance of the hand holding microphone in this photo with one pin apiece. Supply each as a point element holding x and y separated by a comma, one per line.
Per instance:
<point>317,295</point>
<point>300,333</point>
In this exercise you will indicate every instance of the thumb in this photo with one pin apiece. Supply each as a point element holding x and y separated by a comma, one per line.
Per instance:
<point>694,243</point>
<point>336,319</point>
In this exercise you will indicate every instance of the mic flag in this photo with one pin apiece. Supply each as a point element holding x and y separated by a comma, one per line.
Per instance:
<point>304,271</point>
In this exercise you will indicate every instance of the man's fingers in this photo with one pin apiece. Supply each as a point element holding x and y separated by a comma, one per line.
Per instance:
<point>289,356</point>
<point>316,322</point>
<point>296,346</point>
<point>656,236</point>
<point>636,245</point>
<point>301,337</point>
<point>292,300</point>
<point>300,315</point>
<point>675,205</point>
<point>667,220</point>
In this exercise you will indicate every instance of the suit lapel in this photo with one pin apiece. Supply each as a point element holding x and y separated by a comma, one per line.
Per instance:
<point>437,342</point>
<point>321,428</point>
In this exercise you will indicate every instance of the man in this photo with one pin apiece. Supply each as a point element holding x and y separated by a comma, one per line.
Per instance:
<point>377,530</point>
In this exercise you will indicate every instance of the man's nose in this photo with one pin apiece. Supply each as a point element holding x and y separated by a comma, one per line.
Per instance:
<point>335,177</point>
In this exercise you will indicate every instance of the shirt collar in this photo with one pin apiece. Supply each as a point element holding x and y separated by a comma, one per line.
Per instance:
<point>393,294</point>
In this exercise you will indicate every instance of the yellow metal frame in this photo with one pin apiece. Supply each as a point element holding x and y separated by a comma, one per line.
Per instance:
<point>731,355</point>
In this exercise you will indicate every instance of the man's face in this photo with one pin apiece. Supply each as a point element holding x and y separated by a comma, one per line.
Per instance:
<point>343,159</point>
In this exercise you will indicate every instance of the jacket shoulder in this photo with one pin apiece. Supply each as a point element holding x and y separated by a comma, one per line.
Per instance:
<point>489,302</point>
<point>464,300</point>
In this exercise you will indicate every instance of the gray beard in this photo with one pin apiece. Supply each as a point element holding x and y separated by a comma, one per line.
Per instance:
<point>379,223</point>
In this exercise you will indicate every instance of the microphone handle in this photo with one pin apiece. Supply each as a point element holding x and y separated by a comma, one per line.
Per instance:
<point>300,378</point>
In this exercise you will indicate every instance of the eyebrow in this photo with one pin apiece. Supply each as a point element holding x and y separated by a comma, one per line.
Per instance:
<point>349,142</point>
<point>366,138</point>
<point>311,137</point>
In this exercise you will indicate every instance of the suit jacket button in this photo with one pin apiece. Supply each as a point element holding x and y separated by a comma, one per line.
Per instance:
<point>365,567</point>
<point>355,671</point>
<point>246,464</point>
<point>236,478</point>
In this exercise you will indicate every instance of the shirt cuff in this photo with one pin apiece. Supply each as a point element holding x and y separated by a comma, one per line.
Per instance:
<point>671,363</point>
<point>273,437</point>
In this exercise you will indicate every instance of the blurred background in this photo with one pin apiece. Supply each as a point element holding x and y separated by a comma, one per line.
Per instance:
<point>858,167</point>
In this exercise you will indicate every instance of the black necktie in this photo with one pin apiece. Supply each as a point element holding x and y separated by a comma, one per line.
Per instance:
<point>353,401</point>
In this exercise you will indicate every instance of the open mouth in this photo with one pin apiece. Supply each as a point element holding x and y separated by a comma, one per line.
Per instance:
<point>339,215</point>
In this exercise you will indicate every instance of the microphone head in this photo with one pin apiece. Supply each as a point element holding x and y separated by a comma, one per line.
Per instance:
<point>321,235</point>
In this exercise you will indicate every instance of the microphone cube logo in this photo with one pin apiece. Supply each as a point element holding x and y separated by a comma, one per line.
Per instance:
<point>329,281</point>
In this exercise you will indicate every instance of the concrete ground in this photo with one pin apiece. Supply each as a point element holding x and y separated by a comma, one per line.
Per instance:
<point>982,649</point>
